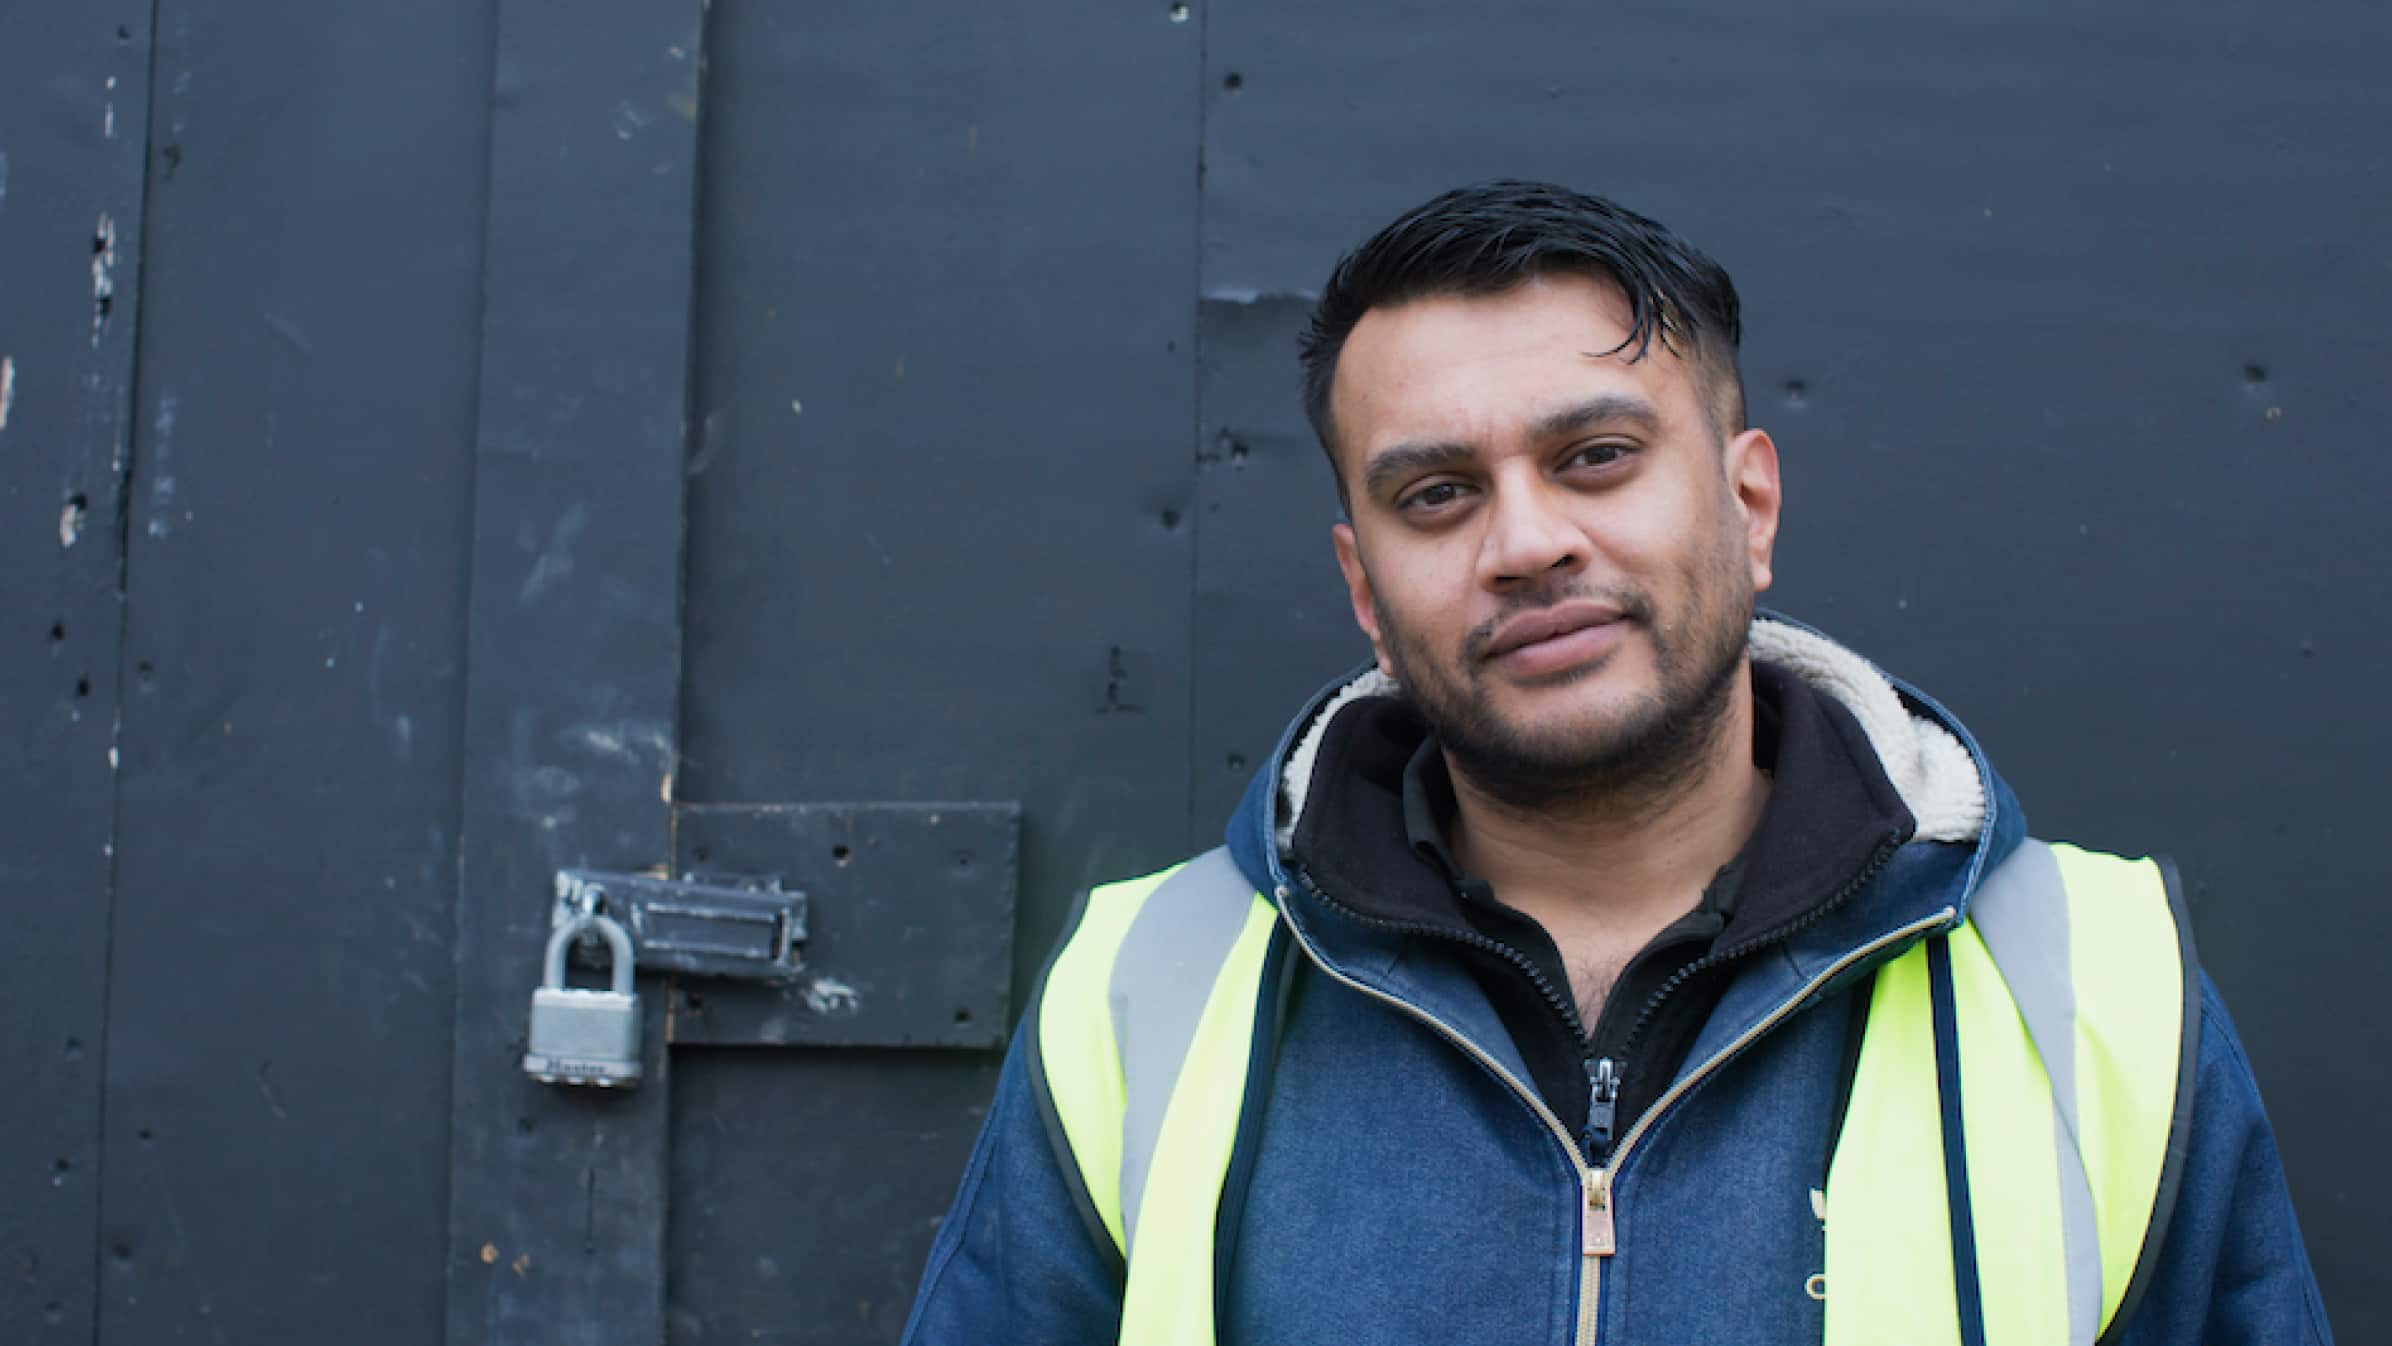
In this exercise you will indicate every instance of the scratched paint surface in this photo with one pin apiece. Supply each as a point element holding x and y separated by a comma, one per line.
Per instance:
<point>70,211</point>
<point>2064,317</point>
<point>292,534</point>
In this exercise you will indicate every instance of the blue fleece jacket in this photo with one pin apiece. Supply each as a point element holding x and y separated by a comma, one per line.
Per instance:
<point>1399,1192</point>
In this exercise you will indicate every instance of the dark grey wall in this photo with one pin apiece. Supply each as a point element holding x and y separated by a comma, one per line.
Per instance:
<point>2067,319</point>
<point>271,946</point>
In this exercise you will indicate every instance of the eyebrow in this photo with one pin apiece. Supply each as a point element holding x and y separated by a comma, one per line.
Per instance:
<point>1398,461</point>
<point>1608,409</point>
<point>1393,464</point>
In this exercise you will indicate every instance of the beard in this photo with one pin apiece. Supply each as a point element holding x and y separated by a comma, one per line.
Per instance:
<point>1655,744</point>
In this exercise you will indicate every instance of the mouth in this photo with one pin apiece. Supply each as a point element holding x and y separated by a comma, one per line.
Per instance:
<point>1549,640</point>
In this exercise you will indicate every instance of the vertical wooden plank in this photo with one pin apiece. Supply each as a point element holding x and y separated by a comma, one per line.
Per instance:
<point>940,546</point>
<point>557,1195</point>
<point>279,1004</point>
<point>74,95</point>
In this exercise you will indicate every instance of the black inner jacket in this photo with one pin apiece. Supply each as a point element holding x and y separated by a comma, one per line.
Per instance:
<point>1372,838</point>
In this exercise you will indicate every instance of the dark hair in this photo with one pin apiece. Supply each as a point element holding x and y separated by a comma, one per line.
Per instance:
<point>1487,238</point>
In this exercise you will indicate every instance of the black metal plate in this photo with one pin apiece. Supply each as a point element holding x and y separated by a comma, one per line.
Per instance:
<point>910,923</point>
<point>807,1187</point>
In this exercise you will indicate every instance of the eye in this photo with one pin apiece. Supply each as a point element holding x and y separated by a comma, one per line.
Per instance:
<point>1435,496</point>
<point>1594,455</point>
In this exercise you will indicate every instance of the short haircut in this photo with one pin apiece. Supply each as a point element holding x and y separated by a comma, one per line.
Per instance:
<point>1489,238</point>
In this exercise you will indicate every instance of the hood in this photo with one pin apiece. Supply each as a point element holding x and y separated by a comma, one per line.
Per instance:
<point>1941,778</point>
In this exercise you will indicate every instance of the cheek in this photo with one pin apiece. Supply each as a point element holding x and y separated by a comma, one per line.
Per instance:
<point>1675,545</point>
<point>1420,598</point>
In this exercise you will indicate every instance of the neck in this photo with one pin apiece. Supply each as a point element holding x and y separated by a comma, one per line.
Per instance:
<point>1635,854</point>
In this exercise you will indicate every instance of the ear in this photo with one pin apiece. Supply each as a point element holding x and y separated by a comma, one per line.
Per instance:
<point>1752,481</point>
<point>1366,612</point>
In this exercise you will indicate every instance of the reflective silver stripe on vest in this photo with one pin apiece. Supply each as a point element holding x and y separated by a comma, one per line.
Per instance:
<point>1161,978</point>
<point>2021,912</point>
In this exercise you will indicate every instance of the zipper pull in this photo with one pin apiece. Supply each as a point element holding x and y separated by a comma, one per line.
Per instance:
<point>1596,1234</point>
<point>1602,1106</point>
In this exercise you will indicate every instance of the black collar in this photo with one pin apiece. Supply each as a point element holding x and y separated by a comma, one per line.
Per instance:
<point>1372,834</point>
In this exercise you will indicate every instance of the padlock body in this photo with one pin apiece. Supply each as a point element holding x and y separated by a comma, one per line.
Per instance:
<point>584,1037</point>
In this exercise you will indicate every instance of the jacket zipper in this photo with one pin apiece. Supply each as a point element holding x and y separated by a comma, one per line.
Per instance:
<point>1598,1220</point>
<point>1615,1061</point>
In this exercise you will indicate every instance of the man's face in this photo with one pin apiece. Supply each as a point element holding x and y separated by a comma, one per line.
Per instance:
<point>1551,548</point>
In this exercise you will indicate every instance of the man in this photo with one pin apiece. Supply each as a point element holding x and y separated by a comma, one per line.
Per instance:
<point>1603,963</point>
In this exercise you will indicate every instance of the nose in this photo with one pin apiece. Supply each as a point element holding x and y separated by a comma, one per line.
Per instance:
<point>1529,535</point>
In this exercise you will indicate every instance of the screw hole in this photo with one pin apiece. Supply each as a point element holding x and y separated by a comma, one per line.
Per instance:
<point>695,1003</point>
<point>1179,13</point>
<point>2254,373</point>
<point>123,34</point>
<point>1233,81</point>
<point>702,855</point>
<point>1797,392</point>
<point>74,1049</point>
<point>146,1135</point>
<point>58,633</point>
<point>82,687</point>
<point>1171,518</point>
<point>840,854</point>
<point>963,1016</point>
<point>1237,761</point>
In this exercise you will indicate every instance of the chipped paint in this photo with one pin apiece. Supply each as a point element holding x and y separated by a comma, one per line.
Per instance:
<point>8,387</point>
<point>829,995</point>
<point>162,483</point>
<point>70,523</point>
<point>630,119</point>
<point>555,561</point>
<point>103,275</point>
<point>630,740</point>
<point>108,121</point>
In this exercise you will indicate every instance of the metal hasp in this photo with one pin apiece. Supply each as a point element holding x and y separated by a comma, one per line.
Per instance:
<point>749,929</point>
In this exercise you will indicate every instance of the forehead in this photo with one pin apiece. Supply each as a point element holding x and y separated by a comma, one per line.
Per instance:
<point>1479,367</point>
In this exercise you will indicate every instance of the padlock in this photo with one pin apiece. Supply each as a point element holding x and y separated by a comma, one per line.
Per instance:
<point>585,1037</point>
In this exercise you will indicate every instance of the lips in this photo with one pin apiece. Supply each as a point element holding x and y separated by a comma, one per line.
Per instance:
<point>1547,624</point>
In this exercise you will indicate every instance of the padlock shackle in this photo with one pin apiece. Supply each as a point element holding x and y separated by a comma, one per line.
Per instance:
<point>618,945</point>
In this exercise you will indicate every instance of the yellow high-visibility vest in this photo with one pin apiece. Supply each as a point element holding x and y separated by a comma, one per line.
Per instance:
<point>2021,1080</point>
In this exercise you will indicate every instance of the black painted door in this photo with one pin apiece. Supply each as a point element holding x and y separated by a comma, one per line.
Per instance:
<point>441,444</point>
<point>907,624</point>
